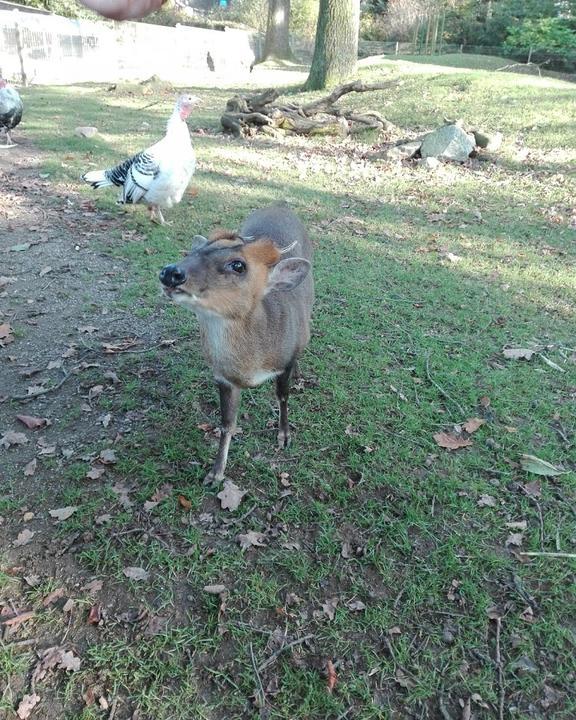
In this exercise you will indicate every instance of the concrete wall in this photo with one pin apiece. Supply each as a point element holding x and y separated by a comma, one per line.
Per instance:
<point>49,49</point>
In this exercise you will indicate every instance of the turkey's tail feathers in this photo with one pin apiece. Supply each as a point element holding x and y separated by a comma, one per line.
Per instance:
<point>97,178</point>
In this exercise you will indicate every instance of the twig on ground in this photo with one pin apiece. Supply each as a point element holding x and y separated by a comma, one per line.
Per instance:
<point>541,520</point>
<point>272,659</point>
<point>113,708</point>
<point>52,388</point>
<point>260,694</point>
<point>549,554</point>
<point>441,389</point>
<point>499,670</point>
<point>23,643</point>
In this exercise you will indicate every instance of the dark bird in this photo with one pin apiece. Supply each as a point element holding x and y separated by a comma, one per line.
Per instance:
<point>11,108</point>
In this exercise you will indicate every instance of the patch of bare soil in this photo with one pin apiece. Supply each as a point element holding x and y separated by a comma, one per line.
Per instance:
<point>61,338</point>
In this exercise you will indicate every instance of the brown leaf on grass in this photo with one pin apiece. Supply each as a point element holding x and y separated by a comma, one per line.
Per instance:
<point>107,456</point>
<point>149,505</point>
<point>136,573</point>
<point>163,492</point>
<point>95,391</point>
<point>64,513</point>
<point>515,539</point>
<point>122,491</point>
<point>252,539</point>
<point>156,625</point>
<point>95,473</point>
<point>13,438</point>
<point>184,502</point>
<point>122,346</point>
<point>55,657</point>
<point>332,677</point>
<point>27,704</point>
<point>101,519</point>
<point>6,336</point>
<point>52,597</point>
<point>24,537</point>
<point>473,424</point>
<point>16,620</point>
<point>95,614</point>
<point>486,501</point>
<point>93,586</point>
<point>32,422</point>
<point>527,614</point>
<point>231,495</point>
<point>450,441</point>
<point>329,608</point>
<point>30,468</point>
<point>518,353</point>
<point>533,489</point>
<point>551,697</point>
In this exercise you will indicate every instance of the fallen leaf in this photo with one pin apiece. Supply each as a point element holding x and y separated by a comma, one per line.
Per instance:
<point>486,501</point>
<point>88,329</point>
<point>473,424</point>
<point>150,505</point>
<point>551,697</point>
<point>515,539</point>
<point>107,456</point>
<point>68,606</point>
<point>13,438</point>
<point>95,391</point>
<point>95,473</point>
<point>329,607</point>
<point>231,495</point>
<point>163,492</point>
<point>95,614</point>
<point>533,489</point>
<point>404,680</point>
<point>45,270</point>
<point>156,625</point>
<point>52,597</point>
<point>105,419</point>
<point>517,525</point>
<point>214,589</point>
<point>332,677</point>
<point>28,516</point>
<point>252,539</point>
<point>184,502</point>
<point>346,550</point>
<point>518,353</point>
<point>93,586</point>
<point>451,441</point>
<point>32,422</point>
<point>55,657</point>
<point>54,365</point>
<point>356,605</point>
<point>24,537</point>
<point>27,704</point>
<point>101,519</point>
<point>30,468</point>
<point>396,630</point>
<point>136,573</point>
<point>18,619</point>
<point>527,614</point>
<point>537,466</point>
<point>63,513</point>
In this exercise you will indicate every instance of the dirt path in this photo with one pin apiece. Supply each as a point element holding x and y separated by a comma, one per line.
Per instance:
<point>57,311</point>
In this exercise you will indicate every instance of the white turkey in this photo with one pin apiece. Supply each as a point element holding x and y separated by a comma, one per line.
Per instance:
<point>10,111</point>
<point>159,175</point>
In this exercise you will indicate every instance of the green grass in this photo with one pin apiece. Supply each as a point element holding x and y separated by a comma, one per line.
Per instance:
<point>405,344</point>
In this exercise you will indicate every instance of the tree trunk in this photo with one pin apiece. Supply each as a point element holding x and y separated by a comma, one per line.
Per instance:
<point>336,47</point>
<point>277,42</point>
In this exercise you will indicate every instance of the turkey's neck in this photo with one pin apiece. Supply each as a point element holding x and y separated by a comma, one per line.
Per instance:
<point>177,128</point>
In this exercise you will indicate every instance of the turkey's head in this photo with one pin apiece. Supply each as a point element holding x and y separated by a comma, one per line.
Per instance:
<point>3,83</point>
<point>185,103</point>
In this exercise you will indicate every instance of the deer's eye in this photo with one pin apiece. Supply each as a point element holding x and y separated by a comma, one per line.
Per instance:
<point>237,266</point>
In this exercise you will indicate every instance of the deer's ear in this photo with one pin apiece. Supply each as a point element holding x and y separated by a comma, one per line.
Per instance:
<point>199,241</point>
<point>287,274</point>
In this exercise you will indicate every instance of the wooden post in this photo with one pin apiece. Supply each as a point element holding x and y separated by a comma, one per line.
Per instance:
<point>20,49</point>
<point>396,48</point>
<point>529,55</point>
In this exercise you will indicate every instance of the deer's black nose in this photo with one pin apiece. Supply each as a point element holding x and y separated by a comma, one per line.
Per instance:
<point>172,276</point>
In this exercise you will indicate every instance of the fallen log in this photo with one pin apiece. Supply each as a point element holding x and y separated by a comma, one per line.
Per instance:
<point>249,114</point>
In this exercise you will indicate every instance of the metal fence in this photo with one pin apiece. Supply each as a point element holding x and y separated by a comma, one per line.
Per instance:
<point>49,49</point>
<point>546,59</point>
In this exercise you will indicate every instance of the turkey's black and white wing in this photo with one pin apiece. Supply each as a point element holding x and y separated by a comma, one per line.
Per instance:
<point>135,175</point>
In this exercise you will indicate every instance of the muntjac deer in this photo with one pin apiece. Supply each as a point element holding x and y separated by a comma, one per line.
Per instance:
<point>252,293</point>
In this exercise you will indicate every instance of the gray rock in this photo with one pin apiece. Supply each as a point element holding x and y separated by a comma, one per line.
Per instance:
<point>430,163</point>
<point>404,151</point>
<point>449,142</point>
<point>86,132</point>
<point>486,141</point>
